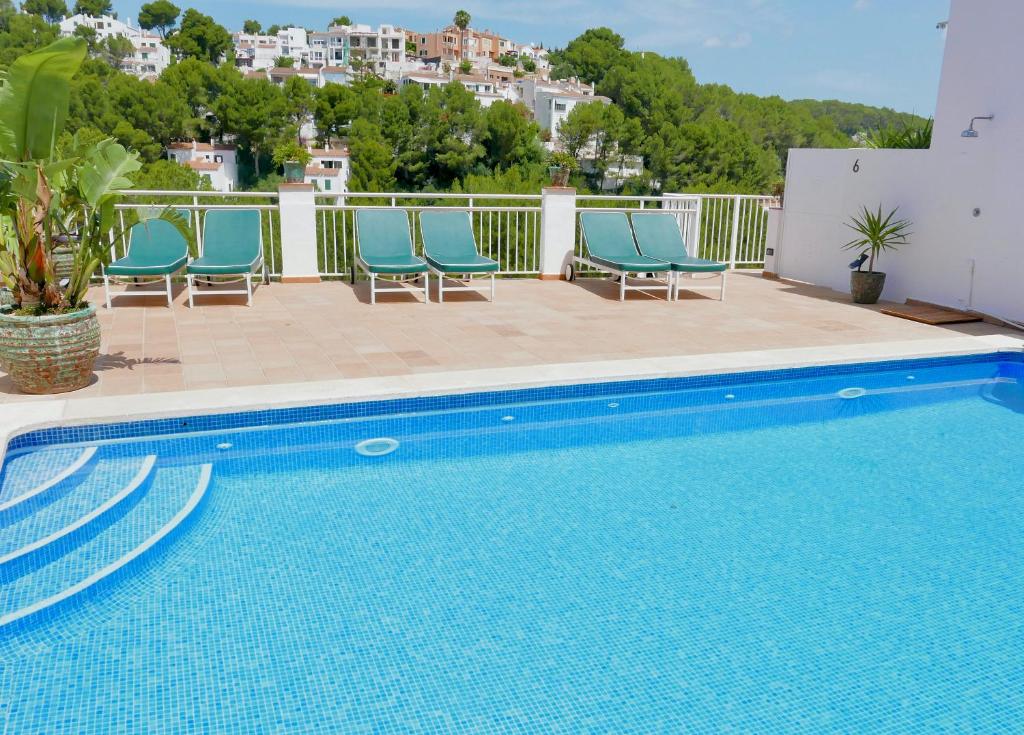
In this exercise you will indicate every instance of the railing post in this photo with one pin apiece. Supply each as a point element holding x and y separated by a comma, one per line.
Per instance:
<point>297,204</point>
<point>557,230</point>
<point>734,240</point>
<point>694,241</point>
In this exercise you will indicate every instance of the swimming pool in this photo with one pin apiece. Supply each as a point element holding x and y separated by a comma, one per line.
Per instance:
<point>822,550</point>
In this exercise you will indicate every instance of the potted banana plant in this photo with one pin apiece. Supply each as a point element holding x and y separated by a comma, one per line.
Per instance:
<point>876,233</point>
<point>51,202</point>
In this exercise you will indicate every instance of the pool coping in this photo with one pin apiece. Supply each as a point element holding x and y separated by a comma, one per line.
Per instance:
<point>63,411</point>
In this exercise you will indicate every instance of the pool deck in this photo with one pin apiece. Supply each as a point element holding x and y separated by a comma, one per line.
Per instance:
<point>314,343</point>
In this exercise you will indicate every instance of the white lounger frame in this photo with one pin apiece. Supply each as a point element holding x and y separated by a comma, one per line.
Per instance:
<point>664,283</point>
<point>194,278</point>
<point>465,283</point>
<point>402,281</point>
<point>166,292</point>
<point>677,276</point>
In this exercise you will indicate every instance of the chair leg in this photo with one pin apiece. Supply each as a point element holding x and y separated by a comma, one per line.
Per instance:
<point>189,280</point>
<point>426,287</point>
<point>106,288</point>
<point>622,287</point>
<point>721,296</point>
<point>440,288</point>
<point>167,284</point>
<point>373,288</point>
<point>248,289</point>
<point>492,288</point>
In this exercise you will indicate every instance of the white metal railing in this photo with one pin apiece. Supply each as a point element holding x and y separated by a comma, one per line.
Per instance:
<point>726,228</point>
<point>506,226</point>
<point>729,228</point>
<point>197,203</point>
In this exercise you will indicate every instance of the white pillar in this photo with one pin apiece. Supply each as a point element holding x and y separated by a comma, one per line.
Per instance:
<point>557,230</point>
<point>298,234</point>
<point>773,241</point>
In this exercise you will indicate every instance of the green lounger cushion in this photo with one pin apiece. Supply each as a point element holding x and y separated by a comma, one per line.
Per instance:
<point>385,245</point>
<point>156,248</point>
<point>449,246</point>
<point>610,243</point>
<point>658,236</point>
<point>231,243</point>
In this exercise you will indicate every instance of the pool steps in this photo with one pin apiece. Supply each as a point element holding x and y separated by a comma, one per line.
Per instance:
<point>99,544</point>
<point>81,522</point>
<point>83,459</point>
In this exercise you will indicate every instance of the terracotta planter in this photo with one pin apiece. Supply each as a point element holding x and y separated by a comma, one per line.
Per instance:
<point>294,172</point>
<point>865,287</point>
<point>559,175</point>
<point>50,354</point>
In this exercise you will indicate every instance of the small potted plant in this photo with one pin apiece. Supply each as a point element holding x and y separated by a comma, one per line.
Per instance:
<point>560,166</point>
<point>53,209</point>
<point>294,158</point>
<point>875,233</point>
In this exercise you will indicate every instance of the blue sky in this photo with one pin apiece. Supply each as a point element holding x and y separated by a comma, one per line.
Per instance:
<point>880,52</point>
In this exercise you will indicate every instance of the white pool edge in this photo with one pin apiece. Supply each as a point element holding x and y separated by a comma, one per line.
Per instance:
<point>18,418</point>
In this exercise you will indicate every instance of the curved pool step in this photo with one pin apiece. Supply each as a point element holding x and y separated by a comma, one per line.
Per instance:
<point>64,535</point>
<point>77,496</point>
<point>24,496</point>
<point>174,494</point>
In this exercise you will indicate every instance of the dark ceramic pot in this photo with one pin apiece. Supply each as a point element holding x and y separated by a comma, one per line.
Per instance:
<point>866,287</point>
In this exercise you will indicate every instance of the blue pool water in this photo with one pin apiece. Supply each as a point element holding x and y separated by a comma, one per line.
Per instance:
<point>747,554</point>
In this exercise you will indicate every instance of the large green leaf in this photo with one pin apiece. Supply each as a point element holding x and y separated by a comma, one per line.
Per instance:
<point>105,170</point>
<point>34,99</point>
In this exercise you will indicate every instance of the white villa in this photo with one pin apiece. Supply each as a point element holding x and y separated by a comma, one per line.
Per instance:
<point>329,170</point>
<point>551,102</point>
<point>150,56</point>
<point>216,163</point>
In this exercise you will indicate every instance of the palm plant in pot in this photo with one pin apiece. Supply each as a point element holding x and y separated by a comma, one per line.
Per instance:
<point>53,200</point>
<point>876,233</point>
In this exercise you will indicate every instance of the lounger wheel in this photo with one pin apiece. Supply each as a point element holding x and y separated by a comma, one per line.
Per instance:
<point>570,272</point>
<point>353,275</point>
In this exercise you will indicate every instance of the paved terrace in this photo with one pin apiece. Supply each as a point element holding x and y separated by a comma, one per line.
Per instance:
<point>314,332</point>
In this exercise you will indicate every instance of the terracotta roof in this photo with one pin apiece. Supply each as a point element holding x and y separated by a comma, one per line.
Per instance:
<point>329,152</point>
<point>317,171</point>
<point>204,165</point>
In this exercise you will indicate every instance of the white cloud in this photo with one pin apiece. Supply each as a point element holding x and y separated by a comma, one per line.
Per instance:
<point>861,4</point>
<point>713,42</point>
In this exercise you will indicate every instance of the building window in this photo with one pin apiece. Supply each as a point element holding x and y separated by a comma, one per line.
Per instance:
<point>327,184</point>
<point>218,159</point>
<point>559,107</point>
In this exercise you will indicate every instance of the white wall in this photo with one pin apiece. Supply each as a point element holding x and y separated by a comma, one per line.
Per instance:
<point>937,189</point>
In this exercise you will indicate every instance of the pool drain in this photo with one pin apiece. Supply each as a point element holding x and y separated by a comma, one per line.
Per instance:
<point>848,393</point>
<point>376,447</point>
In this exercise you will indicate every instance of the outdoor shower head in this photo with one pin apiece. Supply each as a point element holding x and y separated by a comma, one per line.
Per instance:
<point>971,132</point>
